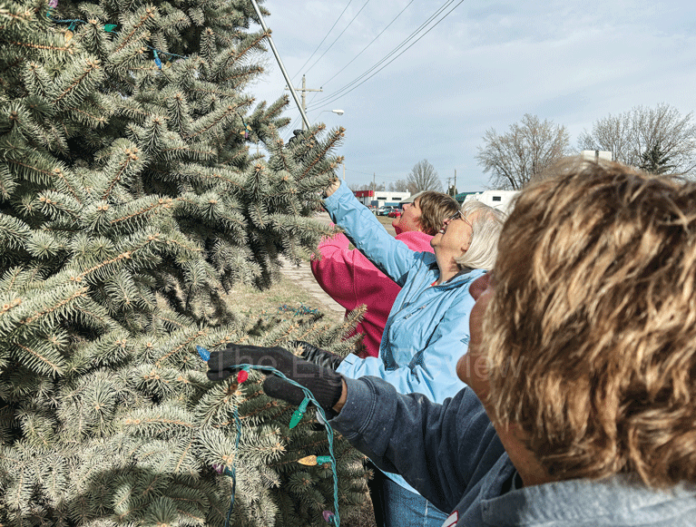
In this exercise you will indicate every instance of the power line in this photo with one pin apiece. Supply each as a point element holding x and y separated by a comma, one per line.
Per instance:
<point>399,46</point>
<point>323,39</point>
<point>339,36</point>
<point>364,77</point>
<point>360,53</point>
<point>368,74</point>
<point>371,42</point>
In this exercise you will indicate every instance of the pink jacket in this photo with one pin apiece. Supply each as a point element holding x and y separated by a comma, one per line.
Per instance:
<point>352,280</point>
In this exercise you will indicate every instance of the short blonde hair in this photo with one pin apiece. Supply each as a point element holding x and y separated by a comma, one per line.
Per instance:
<point>590,334</point>
<point>435,207</point>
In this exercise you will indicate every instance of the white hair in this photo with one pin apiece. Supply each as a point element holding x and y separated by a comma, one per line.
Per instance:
<point>487,223</point>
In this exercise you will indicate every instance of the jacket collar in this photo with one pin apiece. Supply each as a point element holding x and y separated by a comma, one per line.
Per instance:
<point>614,501</point>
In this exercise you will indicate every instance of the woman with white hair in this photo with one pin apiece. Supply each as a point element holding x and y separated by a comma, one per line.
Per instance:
<point>428,326</point>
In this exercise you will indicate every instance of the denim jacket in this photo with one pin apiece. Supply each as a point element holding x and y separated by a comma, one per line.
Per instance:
<point>452,456</point>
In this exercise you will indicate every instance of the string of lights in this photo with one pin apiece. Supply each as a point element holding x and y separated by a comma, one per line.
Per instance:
<point>111,28</point>
<point>332,518</point>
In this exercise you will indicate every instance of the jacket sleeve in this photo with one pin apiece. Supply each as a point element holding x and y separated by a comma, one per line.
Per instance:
<point>432,371</point>
<point>368,235</point>
<point>441,450</point>
<point>336,270</point>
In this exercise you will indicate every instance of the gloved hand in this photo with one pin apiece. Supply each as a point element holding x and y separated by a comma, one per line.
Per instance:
<point>325,384</point>
<point>317,356</point>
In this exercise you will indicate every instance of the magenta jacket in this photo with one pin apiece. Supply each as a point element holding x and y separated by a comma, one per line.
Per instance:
<point>352,280</point>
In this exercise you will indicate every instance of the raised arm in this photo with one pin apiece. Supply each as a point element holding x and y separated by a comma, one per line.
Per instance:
<point>335,270</point>
<point>368,235</point>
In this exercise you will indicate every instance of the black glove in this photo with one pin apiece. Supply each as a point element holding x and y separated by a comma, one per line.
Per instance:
<point>317,356</point>
<point>325,384</point>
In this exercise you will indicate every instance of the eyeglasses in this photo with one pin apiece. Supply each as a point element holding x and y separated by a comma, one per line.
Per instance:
<point>454,216</point>
<point>458,215</point>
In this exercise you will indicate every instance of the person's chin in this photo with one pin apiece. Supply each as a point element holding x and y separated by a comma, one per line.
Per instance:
<point>396,226</point>
<point>462,369</point>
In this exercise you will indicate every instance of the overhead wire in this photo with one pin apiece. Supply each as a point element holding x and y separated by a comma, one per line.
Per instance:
<point>371,42</point>
<point>323,39</point>
<point>360,53</point>
<point>339,36</point>
<point>399,46</point>
<point>336,40</point>
<point>361,79</point>
<point>382,63</point>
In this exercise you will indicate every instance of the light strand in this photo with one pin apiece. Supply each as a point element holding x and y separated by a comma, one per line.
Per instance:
<point>111,28</point>
<point>333,518</point>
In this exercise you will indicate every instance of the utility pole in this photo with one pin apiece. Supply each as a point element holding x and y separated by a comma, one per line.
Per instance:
<point>304,91</point>
<point>455,178</point>
<point>305,121</point>
<point>374,185</point>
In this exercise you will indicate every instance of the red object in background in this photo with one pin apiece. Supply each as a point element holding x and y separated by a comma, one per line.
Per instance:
<point>394,214</point>
<point>242,376</point>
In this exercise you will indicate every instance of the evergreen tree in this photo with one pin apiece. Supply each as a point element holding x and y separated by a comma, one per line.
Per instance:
<point>656,161</point>
<point>128,201</point>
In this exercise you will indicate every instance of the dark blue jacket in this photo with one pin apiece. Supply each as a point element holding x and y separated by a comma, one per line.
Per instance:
<point>450,453</point>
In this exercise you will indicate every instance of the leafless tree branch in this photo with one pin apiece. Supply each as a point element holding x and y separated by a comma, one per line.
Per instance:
<point>530,146</point>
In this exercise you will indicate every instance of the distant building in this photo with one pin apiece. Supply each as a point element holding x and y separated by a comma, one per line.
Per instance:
<point>596,155</point>
<point>462,196</point>
<point>498,199</point>
<point>379,198</point>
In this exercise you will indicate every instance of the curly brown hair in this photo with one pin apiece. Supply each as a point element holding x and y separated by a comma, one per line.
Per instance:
<point>590,334</point>
<point>435,207</point>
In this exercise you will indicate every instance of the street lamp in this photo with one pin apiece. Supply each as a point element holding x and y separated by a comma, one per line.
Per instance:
<point>338,112</point>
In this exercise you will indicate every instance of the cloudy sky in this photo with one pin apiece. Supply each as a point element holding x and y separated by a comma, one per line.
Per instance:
<point>483,66</point>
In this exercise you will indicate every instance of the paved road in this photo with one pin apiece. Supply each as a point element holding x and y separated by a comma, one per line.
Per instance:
<point>302,276</point>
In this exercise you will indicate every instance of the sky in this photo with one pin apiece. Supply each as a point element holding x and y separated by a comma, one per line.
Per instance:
<point>484,66</point>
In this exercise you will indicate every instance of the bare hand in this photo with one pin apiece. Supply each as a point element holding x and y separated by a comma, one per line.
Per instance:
<point>333,187</point>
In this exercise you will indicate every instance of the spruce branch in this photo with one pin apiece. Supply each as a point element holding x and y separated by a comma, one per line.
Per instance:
<point>186,344</point>
<point>150,13</point>
<point>76,89</point>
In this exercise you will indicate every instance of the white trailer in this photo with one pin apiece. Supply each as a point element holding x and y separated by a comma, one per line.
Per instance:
<point>498,199</point>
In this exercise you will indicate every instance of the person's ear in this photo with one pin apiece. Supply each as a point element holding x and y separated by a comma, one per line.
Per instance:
<point>466,245</point>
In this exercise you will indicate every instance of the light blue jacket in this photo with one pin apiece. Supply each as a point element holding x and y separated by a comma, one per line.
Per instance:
<point>428,327</point>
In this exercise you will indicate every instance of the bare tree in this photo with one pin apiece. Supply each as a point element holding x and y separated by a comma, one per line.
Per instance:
<point>530,146</point>
<point>641,132</point>
<point>400,185</point>
<point>423,176</point>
